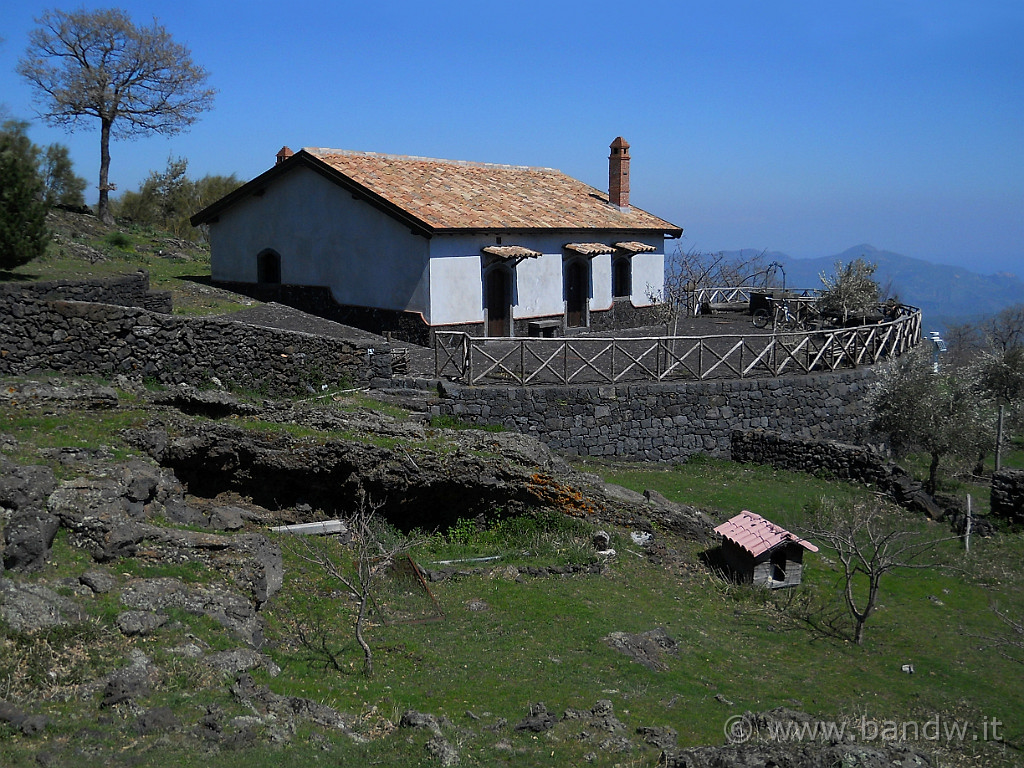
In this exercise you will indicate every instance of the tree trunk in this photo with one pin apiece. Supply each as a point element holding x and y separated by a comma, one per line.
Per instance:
<point>851,603</point>
<point>367,653</point>
<point>874,580</point>
<point>933,474</point>
<point>979,465</point>
<point>103,209</point>
<point>858,633</point>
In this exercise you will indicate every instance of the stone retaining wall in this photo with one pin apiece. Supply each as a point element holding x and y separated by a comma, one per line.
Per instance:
<point>131,290</point>
<point>89,338</point>
<point>846,462</point>
<point>855,463</point>
<point>660,421</point>
<point>1008,494</point>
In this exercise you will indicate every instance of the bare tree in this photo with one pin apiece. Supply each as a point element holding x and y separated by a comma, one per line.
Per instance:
<point>688,272</point>
<point>98,64</point>
<point>1013,640</point>
<point>852,288</point>
<point>358,568</point>
<point>964,342</point>
<point>4,115</point>
<point>870,543</point>
<point>1005,331</point>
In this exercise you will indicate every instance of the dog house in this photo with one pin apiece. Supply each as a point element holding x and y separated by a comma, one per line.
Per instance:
<point>758,551</point>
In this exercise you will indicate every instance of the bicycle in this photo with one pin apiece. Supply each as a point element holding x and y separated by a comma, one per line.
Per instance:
<point>781,318</point>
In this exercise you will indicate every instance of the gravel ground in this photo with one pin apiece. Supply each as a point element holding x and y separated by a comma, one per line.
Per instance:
<point>275,315</point>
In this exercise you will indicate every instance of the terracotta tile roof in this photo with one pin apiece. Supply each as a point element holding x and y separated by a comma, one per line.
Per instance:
<point>456,195</point>
<point>757,535</point>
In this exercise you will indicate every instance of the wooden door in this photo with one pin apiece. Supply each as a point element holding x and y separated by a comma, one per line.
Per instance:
<point>576,294</point>
<point>499,303</point>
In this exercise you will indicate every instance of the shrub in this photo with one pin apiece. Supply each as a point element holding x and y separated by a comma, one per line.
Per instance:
<point>118,240</point>
<point>850,290</point>
<point>23,234</point>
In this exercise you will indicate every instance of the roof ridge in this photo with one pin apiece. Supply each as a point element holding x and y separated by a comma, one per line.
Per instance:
<point>417,158</point>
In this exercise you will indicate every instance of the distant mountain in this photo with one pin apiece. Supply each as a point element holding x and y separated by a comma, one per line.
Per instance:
<point>944,293</point>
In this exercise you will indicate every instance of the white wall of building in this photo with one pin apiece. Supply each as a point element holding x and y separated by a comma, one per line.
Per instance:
<point>324,238</point>
<point>457,267</point>
<point>648,274</point>
<point>456,290</point>
<point>601,282</point>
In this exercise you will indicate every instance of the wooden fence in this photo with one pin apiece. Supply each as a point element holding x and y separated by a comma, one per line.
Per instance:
<point>737,295</point>
<point>596,360</point>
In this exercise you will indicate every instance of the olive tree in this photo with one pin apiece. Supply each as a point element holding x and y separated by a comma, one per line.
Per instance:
<point>942,414</point>
<point>167,199</point>
<point>98,65</point>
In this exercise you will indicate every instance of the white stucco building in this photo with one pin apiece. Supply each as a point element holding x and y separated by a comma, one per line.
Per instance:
<point>413,244</point>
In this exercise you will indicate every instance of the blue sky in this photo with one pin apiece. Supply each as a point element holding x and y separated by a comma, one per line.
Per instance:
<point>801,127</point>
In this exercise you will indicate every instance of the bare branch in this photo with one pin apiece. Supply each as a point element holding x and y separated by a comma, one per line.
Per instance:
<point>691,271</point>
<point>373,549</point>
<point>869,542</point>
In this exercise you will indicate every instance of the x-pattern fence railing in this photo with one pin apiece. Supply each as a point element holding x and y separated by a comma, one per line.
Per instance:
<point>737,295</point>
<point>590,359</point>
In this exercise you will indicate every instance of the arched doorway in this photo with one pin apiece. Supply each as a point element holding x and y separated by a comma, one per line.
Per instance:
<point>268,268</point>
<point>498,301</point>
<point>577,284</point>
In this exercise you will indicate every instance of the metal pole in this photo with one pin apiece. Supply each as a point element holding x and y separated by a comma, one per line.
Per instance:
<point>999,439</point>
<point>967,530</point>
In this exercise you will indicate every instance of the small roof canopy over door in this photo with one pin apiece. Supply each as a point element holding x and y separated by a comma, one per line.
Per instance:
<point>632,247</point>
<point>590,250</point>
<point>510,254</point>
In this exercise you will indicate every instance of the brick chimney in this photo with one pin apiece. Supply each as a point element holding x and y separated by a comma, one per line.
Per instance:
<point>618,173</point>
<point>283,154</point>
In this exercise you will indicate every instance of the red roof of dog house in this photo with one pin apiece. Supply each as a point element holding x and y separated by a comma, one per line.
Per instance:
<point>757,535</point>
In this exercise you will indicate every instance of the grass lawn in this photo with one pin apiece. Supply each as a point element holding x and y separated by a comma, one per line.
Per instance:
<point>740,648</point>
<point>177,266</point>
